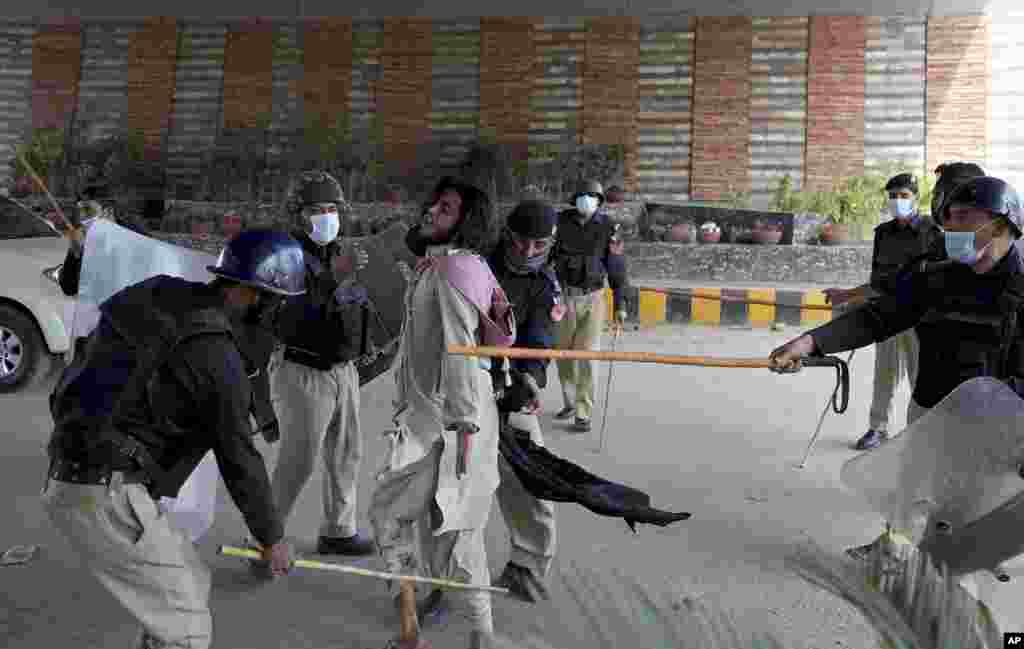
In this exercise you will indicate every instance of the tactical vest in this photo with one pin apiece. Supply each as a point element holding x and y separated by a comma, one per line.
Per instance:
<point>579,256</point>
<point>316,330</point>
<point>106,395</point>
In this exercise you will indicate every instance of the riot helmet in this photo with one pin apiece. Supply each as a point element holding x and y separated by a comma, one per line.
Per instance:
<point>265,259</point>
<point>988,193</point>
<point>529,236</point>
<point>950,175</point>
<point>316,200</point>
<point>589,188</point>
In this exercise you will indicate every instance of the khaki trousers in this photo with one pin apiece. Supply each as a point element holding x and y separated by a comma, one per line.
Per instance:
<point>530,521</point>
<point>148,565</point>
<point>318,412</point>
<point>895,358</point>
<point>581,329</point>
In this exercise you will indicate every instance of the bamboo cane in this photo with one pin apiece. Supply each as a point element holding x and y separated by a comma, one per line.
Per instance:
<point>627,357</point>
<point>243,553</point>
<point>42,185</point>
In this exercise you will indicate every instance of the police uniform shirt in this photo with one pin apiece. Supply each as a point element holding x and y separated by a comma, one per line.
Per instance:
<point>897,244</point>
<point>582,258</point>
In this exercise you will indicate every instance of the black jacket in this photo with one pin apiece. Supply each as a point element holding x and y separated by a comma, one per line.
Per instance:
<point>959,317</point>
<point>581,257</point>
<point>897,244</point>
<point>315,329</point>
<point>532,296</point>
<point>197,399</point>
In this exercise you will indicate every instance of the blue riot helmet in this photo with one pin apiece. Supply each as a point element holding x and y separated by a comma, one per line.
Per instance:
<point>988,193</point>
<point>266,259</point>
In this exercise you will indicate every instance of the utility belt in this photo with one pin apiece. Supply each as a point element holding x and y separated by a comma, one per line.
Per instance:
<point>64,470</point>
<point>310,359</point>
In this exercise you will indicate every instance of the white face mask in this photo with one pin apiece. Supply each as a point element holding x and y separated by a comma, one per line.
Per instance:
<point>587,205</point>
<point>325,227</point>
<point>901,208</point>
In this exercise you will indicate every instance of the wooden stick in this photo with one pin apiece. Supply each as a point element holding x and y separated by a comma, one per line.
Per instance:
<point>42,185</point>
<point>627,357</point>
<point>229,551</point>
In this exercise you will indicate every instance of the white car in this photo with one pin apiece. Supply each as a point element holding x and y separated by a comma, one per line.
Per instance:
<point>34,312</point>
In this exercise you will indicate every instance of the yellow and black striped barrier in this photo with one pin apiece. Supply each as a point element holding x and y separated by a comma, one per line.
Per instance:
<point>756,307</point>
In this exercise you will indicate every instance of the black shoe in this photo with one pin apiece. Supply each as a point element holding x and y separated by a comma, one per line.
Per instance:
<point>522,583</point>
<point>581,425</point>
<point>871,439</point>
<point>352,546</point>
<point>565,413</point>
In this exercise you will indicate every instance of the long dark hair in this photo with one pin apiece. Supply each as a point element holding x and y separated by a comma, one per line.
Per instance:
<point>479,229</point>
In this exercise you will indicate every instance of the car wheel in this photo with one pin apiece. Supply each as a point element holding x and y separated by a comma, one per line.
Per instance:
<point>22,352</point>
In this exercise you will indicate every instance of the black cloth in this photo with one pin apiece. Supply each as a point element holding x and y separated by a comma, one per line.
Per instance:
<point>71,271</point>
<point>897,244</point>
<point>315,328</point>
<point>581,255</point>
<point>958,316</point>
<point>549,477</point>
<point>198,400</point>
<point>532,297</point>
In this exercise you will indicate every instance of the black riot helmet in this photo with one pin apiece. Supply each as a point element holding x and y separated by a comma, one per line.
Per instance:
<point>269,260</point>
<point>988,193</point>
<point>951,174</point>
<point>588,188</point>
<point>312,187</point>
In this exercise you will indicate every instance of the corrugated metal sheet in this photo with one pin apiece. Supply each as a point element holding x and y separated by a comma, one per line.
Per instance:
<point>664,93</point>
<point>286,117</point>
<point>455,88</point>
<point>15,88</point>
<point>778,104</point>
<point>103,89</point>
<point>555,99</point>
<point>196,119</point>
<point>367,41</point>
<point>1006,121</point>
<point>894,91</point>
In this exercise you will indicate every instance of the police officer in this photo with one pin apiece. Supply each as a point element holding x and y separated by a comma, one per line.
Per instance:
<point>966,311</point>
<point>907,236</point>
<point>161,382</point>
<point>587,250</point>
<point>314,383</point>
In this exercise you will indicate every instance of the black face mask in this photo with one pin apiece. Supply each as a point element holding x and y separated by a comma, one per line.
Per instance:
<point>264,312</point>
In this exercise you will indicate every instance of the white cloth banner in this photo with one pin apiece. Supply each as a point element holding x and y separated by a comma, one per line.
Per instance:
<point>115,258</point>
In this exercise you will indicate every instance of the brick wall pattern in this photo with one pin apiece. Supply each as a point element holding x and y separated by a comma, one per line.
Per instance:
<point>835,100</point>
<point>404,94</point>
<point>455,90</point>
<point>15,88</point>
<point>248,74</point>
<point>286,119</point>
<point>1006,112</point>
<point>367,40</point>
<point>663,118</point>
<point>556,96</point>
<point>721,108</point>
<point>894,91</point>
<point>196,116</point>
<point>958,86</point>
<point>152,58</point>
<point>611,57</point>
<point>778,104</point>
<point>103,89</point>
<point>56,65</point>
<point>507,63</point>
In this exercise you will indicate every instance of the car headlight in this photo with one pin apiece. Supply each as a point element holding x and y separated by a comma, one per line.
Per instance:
<point>53,274</point>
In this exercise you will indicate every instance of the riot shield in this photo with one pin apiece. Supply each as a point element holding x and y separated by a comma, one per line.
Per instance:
<point>950,471</point>
<point>385,278</point>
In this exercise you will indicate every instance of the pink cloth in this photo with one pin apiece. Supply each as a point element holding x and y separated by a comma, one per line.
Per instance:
<point>475,281</point>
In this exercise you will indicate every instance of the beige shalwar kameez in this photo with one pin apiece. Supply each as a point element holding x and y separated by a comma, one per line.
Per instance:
<point>426,519</point>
